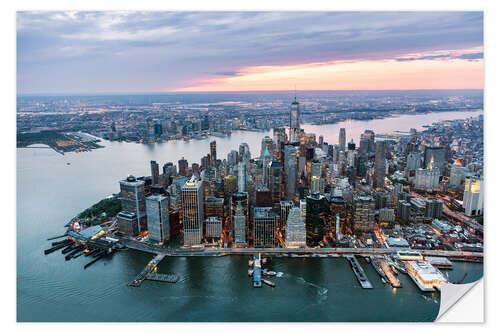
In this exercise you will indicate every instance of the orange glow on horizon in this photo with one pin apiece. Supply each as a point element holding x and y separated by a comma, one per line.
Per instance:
<point>353,75</point>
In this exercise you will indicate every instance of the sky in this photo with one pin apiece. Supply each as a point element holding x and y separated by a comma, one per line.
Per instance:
<point>138,52</point>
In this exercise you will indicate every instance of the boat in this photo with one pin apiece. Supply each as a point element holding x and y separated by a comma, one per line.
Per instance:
<point>269,283</point>
<point>250,272</point>
<point>250,263</point>
<point>367,259</point>
<point>279,274</point>
<point>383,280</point>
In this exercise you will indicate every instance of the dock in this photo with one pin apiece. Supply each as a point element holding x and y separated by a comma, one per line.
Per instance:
<point>147,271</point>
<point>359,272</point>
<point>171,278</point>
<point>389,273</point>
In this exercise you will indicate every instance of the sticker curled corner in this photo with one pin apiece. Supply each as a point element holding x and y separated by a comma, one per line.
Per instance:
<point>451,294</point>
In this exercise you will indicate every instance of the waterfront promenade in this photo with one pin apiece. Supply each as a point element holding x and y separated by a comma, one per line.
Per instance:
<point>140,246</point>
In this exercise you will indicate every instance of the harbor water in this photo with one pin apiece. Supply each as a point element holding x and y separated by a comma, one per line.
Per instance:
<point>52,188</point>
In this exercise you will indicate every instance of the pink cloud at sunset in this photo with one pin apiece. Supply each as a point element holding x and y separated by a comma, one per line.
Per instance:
<point>440,70</point>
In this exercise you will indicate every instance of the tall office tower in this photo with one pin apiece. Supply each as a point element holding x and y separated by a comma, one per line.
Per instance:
<point>183,167</point>
<point>275,181</point>
<point>342,139</point>
<point>473,196</point>
<point>279,135</point>
<point>242,177</point>
<point>132,218</point>
<point>316,211</point>
<point>213,227</point>
<point>295,229</point>
<point>285,207</point>
<point>434,157</point>
<point>264,222</point>
<point>294,121</point>
<point>266,162</point>
<point>457,174</point>
<point>303,208</point>
<point>368,135</point>
<point>427,179</point>
<point>244,152</point>
<point>403,211</point>
<point>169,170</point>
<point>335,153</point>
<point>290,162</point>
<point>364,146</point>
<point>364,214</point>
<point>386,215</point>
<point>214,207</point>
<point>433,208</point>
<point>157,212</point>
<point>413,161</point>
<point>232,157</point>
<point>213,153</point>
<point>351,145</point>
<point>317,183</point>
<point>230,186</point>
<point>155,173</point>
<point>263,196</point>
<point>266,145</point>
<point>239,218</point>
<point>205,125</point>
<point>338,206</point>
<point>320,140</point>
<point>379,176</point>
<point>192,211</point>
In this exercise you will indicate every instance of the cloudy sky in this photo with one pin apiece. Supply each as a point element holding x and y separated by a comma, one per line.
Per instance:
<point>106,52</point>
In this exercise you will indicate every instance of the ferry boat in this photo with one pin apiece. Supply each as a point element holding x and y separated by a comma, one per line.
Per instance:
<point>257,274</point>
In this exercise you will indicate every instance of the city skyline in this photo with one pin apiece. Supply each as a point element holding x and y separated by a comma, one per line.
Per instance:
<point>123,52</point>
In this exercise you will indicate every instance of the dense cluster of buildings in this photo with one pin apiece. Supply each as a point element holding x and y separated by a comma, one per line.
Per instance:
<point>300,191</point>
<point>157,118</point>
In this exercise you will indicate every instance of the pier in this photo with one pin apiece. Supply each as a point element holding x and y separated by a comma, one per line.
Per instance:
<point>359,272</point>
<point>149,269</point>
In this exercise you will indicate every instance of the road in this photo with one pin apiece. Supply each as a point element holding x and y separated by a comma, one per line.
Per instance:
<point>249,251</point>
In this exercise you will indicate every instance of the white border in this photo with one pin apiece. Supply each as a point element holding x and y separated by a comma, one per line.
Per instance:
<point>8,71</point>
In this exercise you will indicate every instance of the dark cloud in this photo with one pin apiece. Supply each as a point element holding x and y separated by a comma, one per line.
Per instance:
<point>153,51</point>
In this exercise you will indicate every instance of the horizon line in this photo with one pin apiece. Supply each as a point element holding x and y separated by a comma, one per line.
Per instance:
<point>231,91</point>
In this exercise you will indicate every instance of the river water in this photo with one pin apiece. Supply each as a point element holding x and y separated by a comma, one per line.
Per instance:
<point>50,192</point>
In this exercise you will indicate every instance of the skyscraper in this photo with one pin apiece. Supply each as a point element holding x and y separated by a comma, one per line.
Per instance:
<point>264,227</point>
<point>427,179</point>
<point>433,208</point>
<point>239,218</point>
<point>316,212</point>
<point>266,145</point>
<point>183,167</point>
<point>285,207</point>
<point>242,177</point>
<point>378,181</point>
<point>457,174</point>
<point>157,215</point>
<point>295,229</point>
<point>133,205</point>
<point>473,196</point>
<point>294,120</point>
<point>155,173</point>
<point>290,172</point>
<point>364,214</point>
<point>316,181</point>
<point>434,157</point>
<point>275,181</point>
<point>213,153</point>
<point>192,211</point>
<point>342,139</point>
